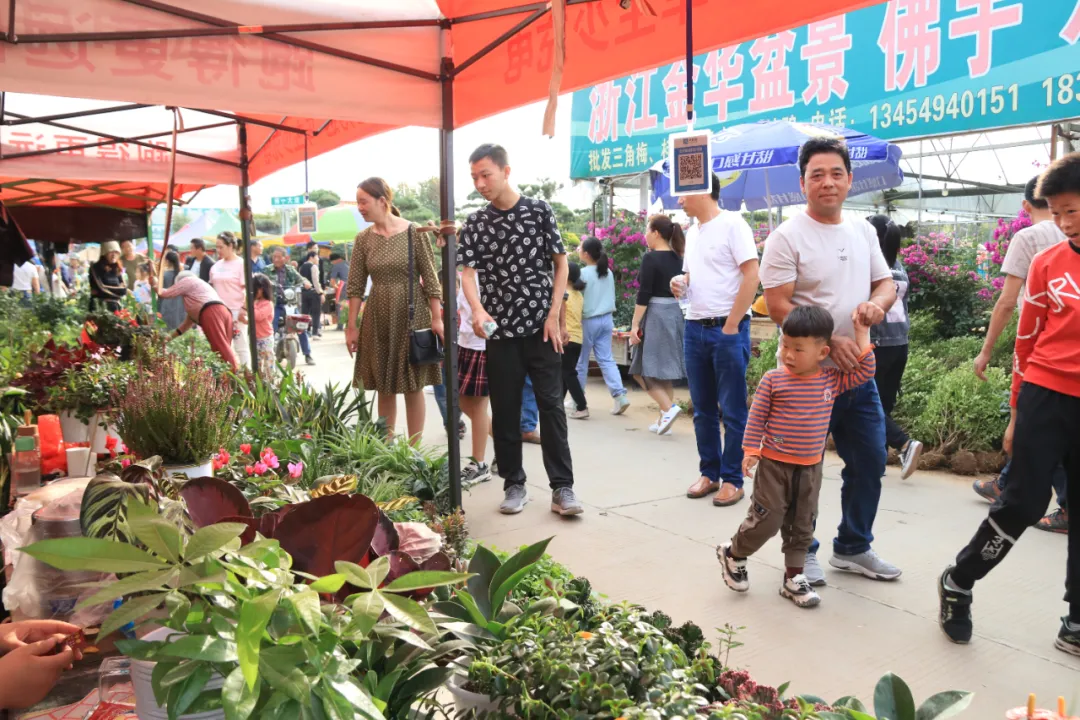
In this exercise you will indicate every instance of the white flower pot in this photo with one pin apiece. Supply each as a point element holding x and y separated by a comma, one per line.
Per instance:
<point>73,429</point>
<point>205,469</point>
<point>146,706</point>
<point>468,704</point>
<point>102,432</point>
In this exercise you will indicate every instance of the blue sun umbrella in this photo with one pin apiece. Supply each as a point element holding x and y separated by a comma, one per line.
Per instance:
<point>758,164</point>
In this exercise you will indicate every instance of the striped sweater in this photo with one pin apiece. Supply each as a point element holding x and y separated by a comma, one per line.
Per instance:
<point>789,419</point>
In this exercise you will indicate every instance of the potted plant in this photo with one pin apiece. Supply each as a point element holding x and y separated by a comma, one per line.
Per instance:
<point>244,635</point>
<point>180,413</point>
<point>83,397</point>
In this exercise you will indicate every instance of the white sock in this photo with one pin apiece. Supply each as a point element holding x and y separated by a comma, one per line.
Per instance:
<point>1072,627</point>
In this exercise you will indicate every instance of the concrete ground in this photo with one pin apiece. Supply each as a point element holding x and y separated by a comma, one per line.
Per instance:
<point>641,539</point>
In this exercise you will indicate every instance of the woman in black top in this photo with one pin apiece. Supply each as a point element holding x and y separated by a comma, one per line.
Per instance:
<point>107,287</point>
<point>658,352</point>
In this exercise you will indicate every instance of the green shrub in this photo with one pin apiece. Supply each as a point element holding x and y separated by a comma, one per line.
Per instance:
<point>955,352</point>
<point>924,329</point>
<point>762,363</point>
<point>1002,354</point>
<point>919,381</point>
<point>963,412</point>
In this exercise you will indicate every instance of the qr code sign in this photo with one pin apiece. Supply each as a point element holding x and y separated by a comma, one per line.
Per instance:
<point>691,169</point>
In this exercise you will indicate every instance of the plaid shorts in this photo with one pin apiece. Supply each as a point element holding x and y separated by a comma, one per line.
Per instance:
<point>472,372</point>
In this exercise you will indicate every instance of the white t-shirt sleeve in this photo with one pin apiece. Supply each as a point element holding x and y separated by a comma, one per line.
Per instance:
<point>779,266</point>
<point>743,248</point>
<point>1019,255</point>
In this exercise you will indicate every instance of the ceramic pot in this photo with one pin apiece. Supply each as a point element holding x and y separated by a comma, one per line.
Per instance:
<point>73,429</point>
<point>103,431</point>
<point>146,706</point>
<point>469,704</point>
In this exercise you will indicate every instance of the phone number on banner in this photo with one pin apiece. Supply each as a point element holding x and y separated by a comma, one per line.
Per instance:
<point>984,102</point>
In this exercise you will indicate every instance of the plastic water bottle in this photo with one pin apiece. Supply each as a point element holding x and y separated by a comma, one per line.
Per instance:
<point>684,299</point>
<point>489,327</point>
<point>26,469</point>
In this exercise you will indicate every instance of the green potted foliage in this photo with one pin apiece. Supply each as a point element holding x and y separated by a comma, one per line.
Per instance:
<point>84,397</point>
<point>180,413</point>
<point>245,636</point>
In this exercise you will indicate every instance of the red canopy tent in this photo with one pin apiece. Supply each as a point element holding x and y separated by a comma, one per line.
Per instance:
<point>434,63</point>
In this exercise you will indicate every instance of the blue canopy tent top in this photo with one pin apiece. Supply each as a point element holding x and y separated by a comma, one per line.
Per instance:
<point>758,164</point>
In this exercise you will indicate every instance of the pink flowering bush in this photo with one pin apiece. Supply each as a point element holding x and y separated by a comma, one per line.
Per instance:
<point>624,242</point>
<point>947,284</point>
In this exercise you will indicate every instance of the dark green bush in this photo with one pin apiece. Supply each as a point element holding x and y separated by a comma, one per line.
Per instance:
<point>762,363</point>
<point>963,412</point>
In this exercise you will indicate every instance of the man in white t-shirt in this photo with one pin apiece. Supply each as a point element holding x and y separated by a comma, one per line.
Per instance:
<point>823,258</point>
<point>1023,248</point>
<point>721,277</point>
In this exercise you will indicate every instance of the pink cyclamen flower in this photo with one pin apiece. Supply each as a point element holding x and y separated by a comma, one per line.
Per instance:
<point>245,448</point>
<point>249,469</point>
<point>223,456</point>
<point>296,469</point>
<point>125,463</point>
<point>270,459</point>
<point>260,468</point>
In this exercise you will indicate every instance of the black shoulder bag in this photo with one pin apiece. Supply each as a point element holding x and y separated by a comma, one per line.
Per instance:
<point>425,348</point>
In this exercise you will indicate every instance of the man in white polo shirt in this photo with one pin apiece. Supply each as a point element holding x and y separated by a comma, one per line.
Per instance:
<point>721,277</point>
<point>822,257</point>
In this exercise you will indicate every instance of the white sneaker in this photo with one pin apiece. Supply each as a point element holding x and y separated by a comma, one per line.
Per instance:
<point>735,575</point>
<point>909,458</point>
<point>569,405</point>
<point>668,419</point>
<point>798,591</point>
<point>579,414</point>
<point>621,403</point>
<point>655,429</point>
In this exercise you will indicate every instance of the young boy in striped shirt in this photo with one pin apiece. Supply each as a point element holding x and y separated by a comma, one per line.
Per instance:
<point>785,439</point>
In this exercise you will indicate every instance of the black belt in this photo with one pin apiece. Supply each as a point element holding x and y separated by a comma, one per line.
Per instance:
<point>715,322</point>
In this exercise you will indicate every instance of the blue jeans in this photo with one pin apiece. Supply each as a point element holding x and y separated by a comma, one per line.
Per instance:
<point>279,322</point>
<point>716,371</point>
<point>596,337</point>
<point>858,428</point>
<point>530,414</point>
<point>1057,481</point>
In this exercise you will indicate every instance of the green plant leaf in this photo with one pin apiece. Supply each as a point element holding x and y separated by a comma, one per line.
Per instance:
<point>359,699</point>
<point>471,607</point>
<point>783,689</point>
<point>139,649</point>
<point>813,699</point>
<point>191,688</point>
<point>177,672</point>
<point>944,705</point>
<point>254,615</point>
<point>160,671</point>
<point>202,647</point>
<point>483,566</point>
<point>851,702</point>
<point>422,579</point>
<point>290,680</point>
<point>893,700</point>
<point>307,607</point>
<point>378,570</point>
<point>239,700</point>
<point>367,609</point>
<point>409,612</point>
<point>103,514</point>
<point>131,611</point>
<point>328,583</point>
<point>85,553</point>
<point>178,607</point>
<point>828,715</point>
<point>152,530</point>
<point>355,574</point>
<point>137,583</point>
<point>424,682</point>
<point>212,538</point>
<point>512,571</point>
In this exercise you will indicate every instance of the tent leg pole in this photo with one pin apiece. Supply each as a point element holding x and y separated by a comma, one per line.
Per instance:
<point>449,263</point>
<point>245,234</point>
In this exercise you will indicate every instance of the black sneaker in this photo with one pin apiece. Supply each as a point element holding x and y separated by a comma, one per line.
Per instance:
<point>955,617</point>
<point>1068,640</point>
<point>309,360</point>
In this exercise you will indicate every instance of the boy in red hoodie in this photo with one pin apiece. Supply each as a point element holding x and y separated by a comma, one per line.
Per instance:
<point>1045,417</point>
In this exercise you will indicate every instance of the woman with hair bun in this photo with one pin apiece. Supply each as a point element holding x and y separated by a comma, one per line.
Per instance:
<point>658,351</point>
<point>381,343</point>
<point>597,310</point>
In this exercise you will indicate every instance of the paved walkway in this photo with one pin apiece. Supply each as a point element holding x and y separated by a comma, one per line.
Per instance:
<point>642,540</point>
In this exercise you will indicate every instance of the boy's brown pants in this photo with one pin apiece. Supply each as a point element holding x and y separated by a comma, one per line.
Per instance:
<point>785,499</point>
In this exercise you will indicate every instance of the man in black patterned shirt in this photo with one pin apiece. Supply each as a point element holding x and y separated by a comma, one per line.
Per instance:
<point>514,247</point>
